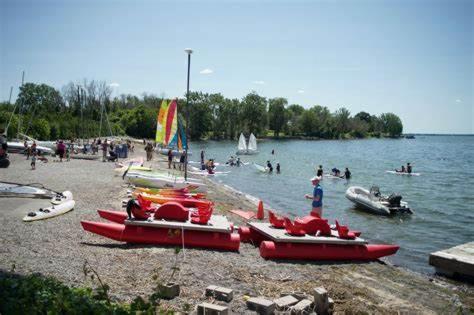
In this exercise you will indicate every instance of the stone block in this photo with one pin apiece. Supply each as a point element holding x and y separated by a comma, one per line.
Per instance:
<point>321,301</point>
<point>212,309</point>
<point>285,302</point>
<point>261,305</point>
<point>302,307</point>
<point>220,293</point>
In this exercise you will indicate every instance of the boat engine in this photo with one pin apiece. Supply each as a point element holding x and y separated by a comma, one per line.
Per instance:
<point>394,200</point>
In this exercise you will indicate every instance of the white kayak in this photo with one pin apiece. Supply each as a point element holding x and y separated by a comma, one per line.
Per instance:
<point>375,203</point>
<point>163,181</point>
<point>403,173</point>
<point>53,211</point>
<point>61,197</point>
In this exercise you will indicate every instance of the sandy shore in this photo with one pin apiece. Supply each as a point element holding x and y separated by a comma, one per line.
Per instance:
<point>59,247</point>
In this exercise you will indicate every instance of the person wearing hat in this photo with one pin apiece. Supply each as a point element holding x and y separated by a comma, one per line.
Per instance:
<point>317,197</point>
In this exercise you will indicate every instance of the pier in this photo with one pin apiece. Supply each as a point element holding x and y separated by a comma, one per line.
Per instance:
<point>457,261</point>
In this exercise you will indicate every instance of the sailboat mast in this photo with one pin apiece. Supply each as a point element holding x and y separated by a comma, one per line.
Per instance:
<point>20,108</point>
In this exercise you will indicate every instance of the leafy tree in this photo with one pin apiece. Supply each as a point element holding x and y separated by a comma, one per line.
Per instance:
<point>308,122</point>
<point>276,114</point>
<point>392,124</point>
<point>342,121</point>
<point>254,113</point>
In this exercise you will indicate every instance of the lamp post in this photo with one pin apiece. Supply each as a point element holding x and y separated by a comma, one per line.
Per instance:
<point>188,51</point>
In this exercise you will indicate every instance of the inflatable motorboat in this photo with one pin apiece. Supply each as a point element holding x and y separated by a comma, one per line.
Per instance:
<point>373,201</point>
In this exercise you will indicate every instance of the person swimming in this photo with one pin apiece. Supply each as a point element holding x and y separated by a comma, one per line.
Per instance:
<point>336,172</point>
<point>402,170</point>
<point>347,174</point>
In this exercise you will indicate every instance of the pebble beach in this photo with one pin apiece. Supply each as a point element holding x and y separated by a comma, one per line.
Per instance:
<point>59,247</point>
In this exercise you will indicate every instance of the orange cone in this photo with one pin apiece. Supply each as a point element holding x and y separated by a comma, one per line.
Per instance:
<point>260,211</point>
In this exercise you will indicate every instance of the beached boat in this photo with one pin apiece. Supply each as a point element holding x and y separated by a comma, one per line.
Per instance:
<point>19,147</point>
<point>373,202</point>
<point>24,191</point>
<point>50,212</point>
<point>171,224</point>
<point>244,149</point>
<point>311,238</point>
<point>162,181</point>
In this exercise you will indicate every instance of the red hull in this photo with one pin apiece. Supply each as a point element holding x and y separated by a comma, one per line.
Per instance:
<point>301,251</point>
<point>162,236</point>
<point>112,215</point>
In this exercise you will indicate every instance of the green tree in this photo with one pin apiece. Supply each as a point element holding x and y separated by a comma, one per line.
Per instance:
<point>276,114</point>
<point>254,113</point>
<point>342,121</point>
<point>308,122</point>
<point>392,124</point>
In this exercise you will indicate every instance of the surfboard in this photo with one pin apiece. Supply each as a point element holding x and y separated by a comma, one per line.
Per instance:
<point>50,212</point>
<point>62,197</point>
<point>403,173</point>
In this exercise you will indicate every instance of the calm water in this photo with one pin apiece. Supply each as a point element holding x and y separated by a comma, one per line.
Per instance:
<point>442,197</point>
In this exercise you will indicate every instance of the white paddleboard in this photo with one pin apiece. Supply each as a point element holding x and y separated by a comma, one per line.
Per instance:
<point>403,173</point>
<point>260,168</point>
<point>205,173</point>
<point>333,177</point>
<point>50,212</point>
<point>62,197</point>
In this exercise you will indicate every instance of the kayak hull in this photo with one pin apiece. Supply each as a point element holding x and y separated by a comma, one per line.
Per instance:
<point>164,236</point>
<point>302,251</point>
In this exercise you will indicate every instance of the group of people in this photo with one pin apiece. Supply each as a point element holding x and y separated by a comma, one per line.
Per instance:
<point>407,169</point>
<point>335,172</point>
<point>270,167</point>
<point>234,162</point>
<point>182,159</point>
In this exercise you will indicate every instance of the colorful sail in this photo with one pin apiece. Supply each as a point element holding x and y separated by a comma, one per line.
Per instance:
<point>161,122</point>
<point>171,130</point>
<point>182,142</point>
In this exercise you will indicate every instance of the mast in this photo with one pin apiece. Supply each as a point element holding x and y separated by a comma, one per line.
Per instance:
<point>20,108</point>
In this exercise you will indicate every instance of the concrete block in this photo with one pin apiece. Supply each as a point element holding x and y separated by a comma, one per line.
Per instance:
<point>302,307</point>
<point>212,309</point>
<point>285,302</point>
<point>330,305</point>
<point>261,305</point>
<point>220,293</point>
<point>321,302</point>
<point>297,295</point>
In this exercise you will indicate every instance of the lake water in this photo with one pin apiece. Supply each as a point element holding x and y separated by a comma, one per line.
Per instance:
<point>442,197</point>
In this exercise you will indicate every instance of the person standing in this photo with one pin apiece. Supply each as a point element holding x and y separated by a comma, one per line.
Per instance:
<point>170,157</point>
<point>61,150</point>
<point>149,151</point>
<point>409,168</point>
<point>202,157</point>
<point>316,197</point>
<point>105,146</point>
<point>182,158</point>
<point>269,167</point>
<point>278,168</point>
<point>33,161</point>
<point>347,174</point>
<point>319,172</point>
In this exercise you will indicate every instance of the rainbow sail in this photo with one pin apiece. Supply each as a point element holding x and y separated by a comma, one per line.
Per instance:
<point>161,122</point>
<point>171,126</point>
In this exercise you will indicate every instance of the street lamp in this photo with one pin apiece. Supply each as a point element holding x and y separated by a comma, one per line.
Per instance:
<point>189,51</point>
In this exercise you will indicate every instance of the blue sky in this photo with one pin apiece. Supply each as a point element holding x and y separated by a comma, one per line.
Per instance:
<point>413,58</point>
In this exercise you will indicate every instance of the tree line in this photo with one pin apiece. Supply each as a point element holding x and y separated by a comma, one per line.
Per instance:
<point>87,109</point>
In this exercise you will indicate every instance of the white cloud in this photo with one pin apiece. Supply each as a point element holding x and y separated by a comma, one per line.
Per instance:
<point>259,82</point>
<point>458,101</point>
<point>300,91</point>
<point>114,84</point>
<point>206,71</point>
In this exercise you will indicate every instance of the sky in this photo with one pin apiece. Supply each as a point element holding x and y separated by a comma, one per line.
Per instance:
<point>413,58</point>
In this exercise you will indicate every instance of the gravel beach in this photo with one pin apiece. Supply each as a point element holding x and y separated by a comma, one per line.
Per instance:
<point>59,247</point>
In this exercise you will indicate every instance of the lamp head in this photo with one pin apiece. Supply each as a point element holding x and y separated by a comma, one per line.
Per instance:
<point>189,51</point>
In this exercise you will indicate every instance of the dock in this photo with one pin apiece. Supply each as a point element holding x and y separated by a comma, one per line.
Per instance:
<point>457,261</point>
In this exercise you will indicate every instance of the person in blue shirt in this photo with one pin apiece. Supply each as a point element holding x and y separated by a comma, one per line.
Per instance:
<point>317,197</point>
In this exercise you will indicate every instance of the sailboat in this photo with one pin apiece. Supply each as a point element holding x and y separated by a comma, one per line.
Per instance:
<point>245,149</point>
<point>169,130</point>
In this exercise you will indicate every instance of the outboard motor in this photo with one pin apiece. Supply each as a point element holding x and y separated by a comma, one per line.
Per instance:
<point>394,200</point>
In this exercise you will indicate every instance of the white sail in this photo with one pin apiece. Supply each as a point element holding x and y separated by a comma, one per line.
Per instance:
<point>252,143</point>
<point>242,146</point>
